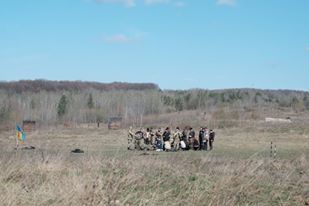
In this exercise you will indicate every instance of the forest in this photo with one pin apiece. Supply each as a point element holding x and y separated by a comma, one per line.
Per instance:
<point>58,102</point>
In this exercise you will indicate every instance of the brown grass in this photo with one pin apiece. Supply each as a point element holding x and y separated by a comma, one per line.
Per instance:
<point>238,172</point>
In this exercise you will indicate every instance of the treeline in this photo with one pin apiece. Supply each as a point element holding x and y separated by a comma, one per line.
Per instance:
<point>90,105</point>
<point>53,86</point>
<point>202,99</point>
<point>78,107</point>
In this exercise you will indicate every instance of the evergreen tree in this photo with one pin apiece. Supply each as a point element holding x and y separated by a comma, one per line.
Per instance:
<point>90,102</point>
<point>5,112</point>
<point>179,104</point>
<point>62,106</point>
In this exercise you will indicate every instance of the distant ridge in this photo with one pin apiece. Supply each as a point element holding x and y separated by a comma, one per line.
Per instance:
<point>47,85</point>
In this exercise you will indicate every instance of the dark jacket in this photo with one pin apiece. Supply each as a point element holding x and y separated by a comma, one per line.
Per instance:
<point>212,136</point>
<point>166,136</point>
<point>192,134</point>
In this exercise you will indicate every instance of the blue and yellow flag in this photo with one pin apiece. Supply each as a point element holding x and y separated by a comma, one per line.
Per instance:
<point>21,135</point>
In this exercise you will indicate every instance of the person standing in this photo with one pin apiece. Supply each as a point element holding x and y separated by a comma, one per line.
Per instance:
<point>152,137</point>
<point>131,139</point>
<point>211,139</point>
<point>148,137</point>
<point>176,139</point>
<point>191,137</point>
<point>206,139</point>
<point>166,139</point>
<point>184,144</point>
<point>201,136</point>
<point>158,140</point>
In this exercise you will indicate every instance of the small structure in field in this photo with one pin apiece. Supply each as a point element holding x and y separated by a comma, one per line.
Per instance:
<point>278,120</point>
<point>29,126</point>
<point>114,123</point>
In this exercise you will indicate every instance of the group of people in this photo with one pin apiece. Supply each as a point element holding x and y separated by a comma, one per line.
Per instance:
<point>169,140</point>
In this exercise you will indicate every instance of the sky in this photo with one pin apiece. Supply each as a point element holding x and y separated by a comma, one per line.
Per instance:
<point>177,44</point>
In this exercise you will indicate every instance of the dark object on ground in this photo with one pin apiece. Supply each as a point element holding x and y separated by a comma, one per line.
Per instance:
<point>114,123</point>
<point>77,151</point>
<point>28,148</point>
<point>146,153</point>
<point>29,126</point>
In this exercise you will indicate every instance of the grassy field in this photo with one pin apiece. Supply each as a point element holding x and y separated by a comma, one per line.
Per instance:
<point>239,171</point>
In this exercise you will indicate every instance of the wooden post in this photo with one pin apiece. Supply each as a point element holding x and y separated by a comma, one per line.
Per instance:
<point>271,149</point>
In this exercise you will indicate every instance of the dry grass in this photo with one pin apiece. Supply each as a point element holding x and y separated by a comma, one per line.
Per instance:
<point>238,172</point>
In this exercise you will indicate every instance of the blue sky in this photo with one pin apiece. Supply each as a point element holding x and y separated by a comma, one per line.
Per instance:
<point>178,44</point>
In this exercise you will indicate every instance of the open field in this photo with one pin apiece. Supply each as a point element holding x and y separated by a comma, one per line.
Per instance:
<point>239,171</point>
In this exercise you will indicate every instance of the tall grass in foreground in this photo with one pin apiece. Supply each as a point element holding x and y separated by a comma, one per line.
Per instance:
<point>35,178</point>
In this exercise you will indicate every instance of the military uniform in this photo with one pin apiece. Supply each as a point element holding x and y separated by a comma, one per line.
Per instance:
<point>131,139</point>
<point>166,139</point>
<point>211,139</point>
<point>191,138</point>
<point>202,139</point>
<point>184,140</point>
<point>139,141</point>
<point>158,140</point>
<point>176,140</point>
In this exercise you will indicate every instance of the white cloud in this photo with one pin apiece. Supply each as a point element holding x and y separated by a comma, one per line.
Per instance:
<point>152,2</point>
<point>133,3</point>
<point>226,2</point>
<point>127,3</point>
<point>122,38</point>
<point>118,38</point>
<point>180,4</point>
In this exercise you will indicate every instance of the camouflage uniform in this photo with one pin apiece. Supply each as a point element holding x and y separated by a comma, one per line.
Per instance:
<point>176,140</point>
<point>158,140</point>
<point>140,141</point>
<point>184,137</point>
<point>191,137</point>
<point>152,137</point>
<point>211,139</point>
<point>131,139</point>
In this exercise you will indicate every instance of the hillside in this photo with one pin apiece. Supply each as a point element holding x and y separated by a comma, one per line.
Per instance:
<point>54,102</point>
<point>53,86</point>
